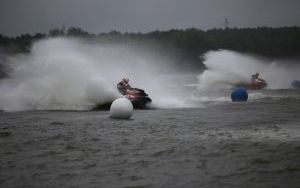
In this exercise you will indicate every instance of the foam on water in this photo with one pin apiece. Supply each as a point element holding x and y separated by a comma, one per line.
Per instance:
<point>76,74</point>
<point>227,68</point>
<point>73,74</point>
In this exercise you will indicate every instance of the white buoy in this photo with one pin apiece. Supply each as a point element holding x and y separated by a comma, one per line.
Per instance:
<point>121,109</point>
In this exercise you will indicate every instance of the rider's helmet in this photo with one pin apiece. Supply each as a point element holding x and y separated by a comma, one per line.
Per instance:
<point>125,80</point>
<point>257,74</point>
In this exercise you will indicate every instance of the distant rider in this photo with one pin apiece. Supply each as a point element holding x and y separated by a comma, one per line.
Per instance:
<point>255,79</point>
<point>123,86</point>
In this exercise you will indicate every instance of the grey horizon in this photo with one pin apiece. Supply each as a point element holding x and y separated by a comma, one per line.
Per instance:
<point>32,16</point>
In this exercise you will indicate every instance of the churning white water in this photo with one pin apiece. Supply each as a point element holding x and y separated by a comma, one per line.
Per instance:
<point>73,74</point>
<point>227,68</point>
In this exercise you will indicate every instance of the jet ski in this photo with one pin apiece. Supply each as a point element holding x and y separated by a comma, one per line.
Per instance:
<point>138,98</point>
<point>296,84</point>
<point>257,84</point>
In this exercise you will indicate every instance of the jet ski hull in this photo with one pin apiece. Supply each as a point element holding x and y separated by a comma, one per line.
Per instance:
<point>140,102</point>
<point>137,97</point>
<point>260,84</point>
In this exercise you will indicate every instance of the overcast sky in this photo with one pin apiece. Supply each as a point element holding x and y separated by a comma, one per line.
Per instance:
<point>31,16</point>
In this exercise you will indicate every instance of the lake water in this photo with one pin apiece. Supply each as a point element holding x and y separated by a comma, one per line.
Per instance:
<point>220,144</point>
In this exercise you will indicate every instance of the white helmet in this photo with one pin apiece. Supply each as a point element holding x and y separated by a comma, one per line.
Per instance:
<point>126,80</point>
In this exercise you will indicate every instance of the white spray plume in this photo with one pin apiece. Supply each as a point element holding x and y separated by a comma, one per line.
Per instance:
<point>73,74</point>
<point>226,68</point>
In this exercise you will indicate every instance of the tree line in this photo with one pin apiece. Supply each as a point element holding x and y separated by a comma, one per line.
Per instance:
<point>265,41</point>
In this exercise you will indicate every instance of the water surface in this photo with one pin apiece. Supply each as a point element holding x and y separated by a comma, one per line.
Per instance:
<point>222,144</point>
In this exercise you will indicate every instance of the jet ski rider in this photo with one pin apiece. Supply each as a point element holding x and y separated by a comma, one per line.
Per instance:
<point>255,78</point>
<point>123,86</point>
